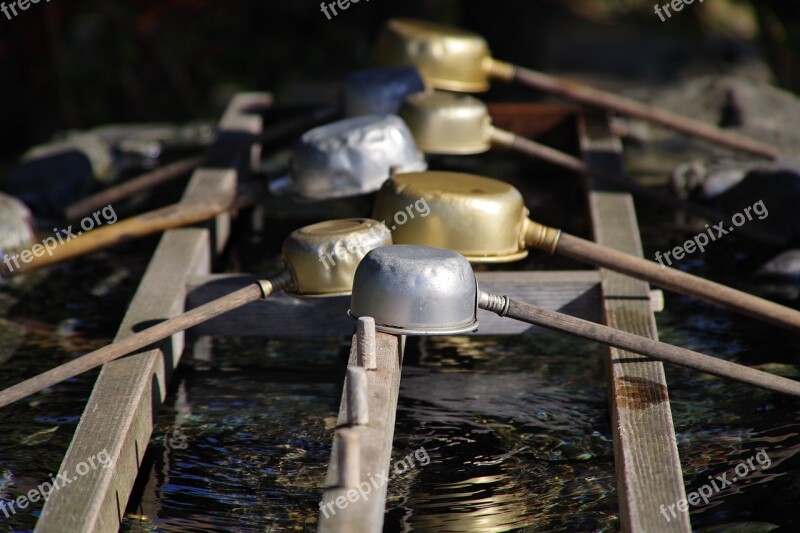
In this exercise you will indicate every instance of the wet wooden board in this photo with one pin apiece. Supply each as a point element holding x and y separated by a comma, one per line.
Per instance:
<point>648,466</point>
<point>119,416</point>
<point>365,514</point>
<point>280,316</point>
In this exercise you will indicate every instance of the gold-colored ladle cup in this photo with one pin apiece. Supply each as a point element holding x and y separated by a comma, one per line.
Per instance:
<point>458,60</point>
<point>320,261</point>
<point>458,124</point>
<point>486,221</point>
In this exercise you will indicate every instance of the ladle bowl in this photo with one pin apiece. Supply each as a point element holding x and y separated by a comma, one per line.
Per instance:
<point>416,290</point>
<point>458,60</point>
<point>427,291</point>
<point>448,58</point>
<point>483,219</point>
<point>322,258</point>
<point>448,123</point>
<point>353,156</point>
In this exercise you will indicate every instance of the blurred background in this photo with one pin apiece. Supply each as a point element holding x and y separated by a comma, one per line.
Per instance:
<point>69,65</point>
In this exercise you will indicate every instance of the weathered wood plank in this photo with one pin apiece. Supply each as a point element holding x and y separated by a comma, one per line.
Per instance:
<point>365,514</point>
<point>119,415</point>
<point>242,121</point>
<point>648,465</point>
<point>280,316</point>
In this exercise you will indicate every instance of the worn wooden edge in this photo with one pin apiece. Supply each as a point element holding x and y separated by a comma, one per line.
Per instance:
<point>119,415</point>
<point>365,513</point>
<point>280,316</point>
<point>243,120</point>
<point>647,462</point>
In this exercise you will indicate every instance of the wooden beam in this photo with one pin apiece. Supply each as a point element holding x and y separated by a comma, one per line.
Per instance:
<point>646,454</point>
<point>119,415</point>
<point>280,316</point>
<point>373,446</point>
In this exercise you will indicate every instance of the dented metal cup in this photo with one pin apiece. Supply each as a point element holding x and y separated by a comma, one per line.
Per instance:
<point>322,258</point>
<point>448,123</point>
<point>416,290</point>
<point>483,219</point>
<point>353,157</point>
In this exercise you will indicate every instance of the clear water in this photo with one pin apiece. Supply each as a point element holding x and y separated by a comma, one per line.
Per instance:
<point>516,427</point>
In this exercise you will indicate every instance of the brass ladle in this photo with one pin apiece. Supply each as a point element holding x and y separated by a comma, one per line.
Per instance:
<point>457,124</point>
<point>308,253</point>
<point>459,60</point>
<point>486,221</point>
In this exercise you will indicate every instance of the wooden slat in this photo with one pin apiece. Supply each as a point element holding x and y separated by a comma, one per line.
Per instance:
<point>243,120</point>
<point>119,416</point>
<point>648,467</point>
<point>280,316</point>
<point>366,514</point>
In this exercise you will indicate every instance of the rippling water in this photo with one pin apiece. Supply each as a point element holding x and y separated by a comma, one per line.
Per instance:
<point>516,428</point>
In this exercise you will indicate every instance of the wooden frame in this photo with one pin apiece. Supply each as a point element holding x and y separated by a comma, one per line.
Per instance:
<point>119,415</point>
<point>646,456</point>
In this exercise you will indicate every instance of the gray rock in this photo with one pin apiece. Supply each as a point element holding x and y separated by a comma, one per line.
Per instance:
<point>15,225</point>
<point>54,175</point>
<point>785,265</point>
<point>749,107</point>
<point>777,194</point>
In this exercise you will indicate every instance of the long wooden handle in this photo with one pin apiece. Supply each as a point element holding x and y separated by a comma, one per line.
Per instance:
<point>675,280</point>
<point>562,159</point>
<point>282,130</point>
<point>78,242</point>
<point>143,338</point>
<point>605,100</point>
<point>636,344</point>
<point>140,183</point>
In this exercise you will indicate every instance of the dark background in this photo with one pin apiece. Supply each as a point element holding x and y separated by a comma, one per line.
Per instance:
<point>79,64</point>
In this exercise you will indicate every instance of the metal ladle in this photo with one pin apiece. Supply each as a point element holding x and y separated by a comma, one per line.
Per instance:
<point>486,221</point>
<point>306,274</point>
<point>458,60</point>
<point>419,290</point>
<point>450,123</point>
<point>352,157</point>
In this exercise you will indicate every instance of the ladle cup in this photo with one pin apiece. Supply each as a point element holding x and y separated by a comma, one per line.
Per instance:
<point>451,123</point>
<point>458,60</point>
<point>307,273</point>
<point>366,92</point>
<point>419,290</point>
<point>486,221</point>
<point>352,157</point>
